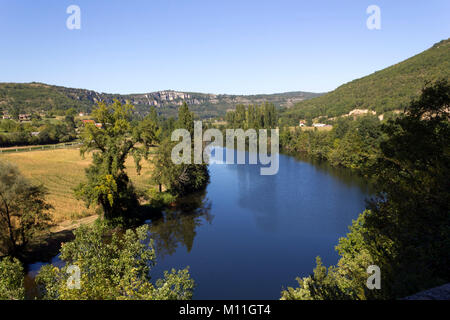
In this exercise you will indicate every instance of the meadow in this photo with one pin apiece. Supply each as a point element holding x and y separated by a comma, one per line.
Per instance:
<point>60,171</point>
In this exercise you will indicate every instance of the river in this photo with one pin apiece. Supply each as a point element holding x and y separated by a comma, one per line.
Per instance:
<point>255,234</point>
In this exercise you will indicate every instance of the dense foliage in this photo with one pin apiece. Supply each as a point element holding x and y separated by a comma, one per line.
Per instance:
<point>406,232</point>
<point>11,279</point>
<point>37,132</point>
<point>389,89</point>
<point>108,184</point>
<point>112,266</point>
<point>23,210</point>
<point>179,179</point>
<point>256,117</point>
<point>351,143</point>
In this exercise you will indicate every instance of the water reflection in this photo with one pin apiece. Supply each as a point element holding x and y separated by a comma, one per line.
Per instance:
<point>252,188</point>
<point>298,189</point>
<point>177,227</point>
<point>345,175</point>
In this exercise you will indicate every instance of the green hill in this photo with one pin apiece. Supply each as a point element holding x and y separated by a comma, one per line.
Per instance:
<point>383,90</point>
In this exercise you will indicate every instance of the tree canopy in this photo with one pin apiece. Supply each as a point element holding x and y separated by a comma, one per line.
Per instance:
<point>112,265</point>
<point>23,210</point>
<point>111,144</point>
<point>11,279</point>
<point>179,179</point>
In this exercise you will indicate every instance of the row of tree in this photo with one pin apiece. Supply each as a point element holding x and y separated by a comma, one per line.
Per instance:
<point>264,116</point>
<point>13,133</point>
<point>351,143</point>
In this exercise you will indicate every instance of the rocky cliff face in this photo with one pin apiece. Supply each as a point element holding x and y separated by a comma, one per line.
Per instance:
<point>176,98</point>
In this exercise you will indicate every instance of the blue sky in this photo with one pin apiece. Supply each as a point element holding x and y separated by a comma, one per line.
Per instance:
<point>226,46</point>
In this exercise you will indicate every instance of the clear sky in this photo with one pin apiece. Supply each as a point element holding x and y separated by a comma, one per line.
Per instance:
<point>211,46</point>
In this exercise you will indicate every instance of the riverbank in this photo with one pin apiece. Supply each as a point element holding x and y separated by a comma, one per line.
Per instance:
<point>47,245</point>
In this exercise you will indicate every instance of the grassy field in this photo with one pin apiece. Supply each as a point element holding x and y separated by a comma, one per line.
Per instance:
<point>328,128</point>
<point>60,171</point>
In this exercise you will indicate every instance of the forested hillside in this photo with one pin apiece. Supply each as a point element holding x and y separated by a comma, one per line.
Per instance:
<point>383,90</point>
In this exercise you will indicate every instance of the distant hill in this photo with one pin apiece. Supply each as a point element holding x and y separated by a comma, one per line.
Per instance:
<point>382,91</point>
<point>37,97</point>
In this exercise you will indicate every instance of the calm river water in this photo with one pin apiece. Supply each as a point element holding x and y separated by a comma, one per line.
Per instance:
<point>255,234</point>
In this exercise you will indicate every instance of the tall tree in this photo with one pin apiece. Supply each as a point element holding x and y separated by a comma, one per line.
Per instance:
<point>185,119</point>
<point>179,179</point>
<point>111,144</point>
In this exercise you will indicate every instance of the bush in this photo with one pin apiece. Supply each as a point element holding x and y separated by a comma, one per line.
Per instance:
<point>11,279</point>
<point>113,265</point>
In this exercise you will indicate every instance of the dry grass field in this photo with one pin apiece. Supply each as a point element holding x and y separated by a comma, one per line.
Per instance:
<point>60,171</point>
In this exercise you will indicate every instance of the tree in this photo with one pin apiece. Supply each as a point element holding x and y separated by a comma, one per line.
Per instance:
<point>413,204</point>
<point>185,119</point>
<point>113,266</point>
<point>108,184</point>
<point>23,210</point>
<point>253,117</point>
<point>406,232</point>
<point>179,179</point>
<point>71,112</point>
<point>11,279</point>
<point>356,144</point>
<point>70,121</point>
<point>150,128</point>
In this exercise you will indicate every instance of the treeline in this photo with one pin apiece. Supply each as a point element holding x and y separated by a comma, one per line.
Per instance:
<point>405,230</point>
<point>351,143</point>
<point>256,117</point>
